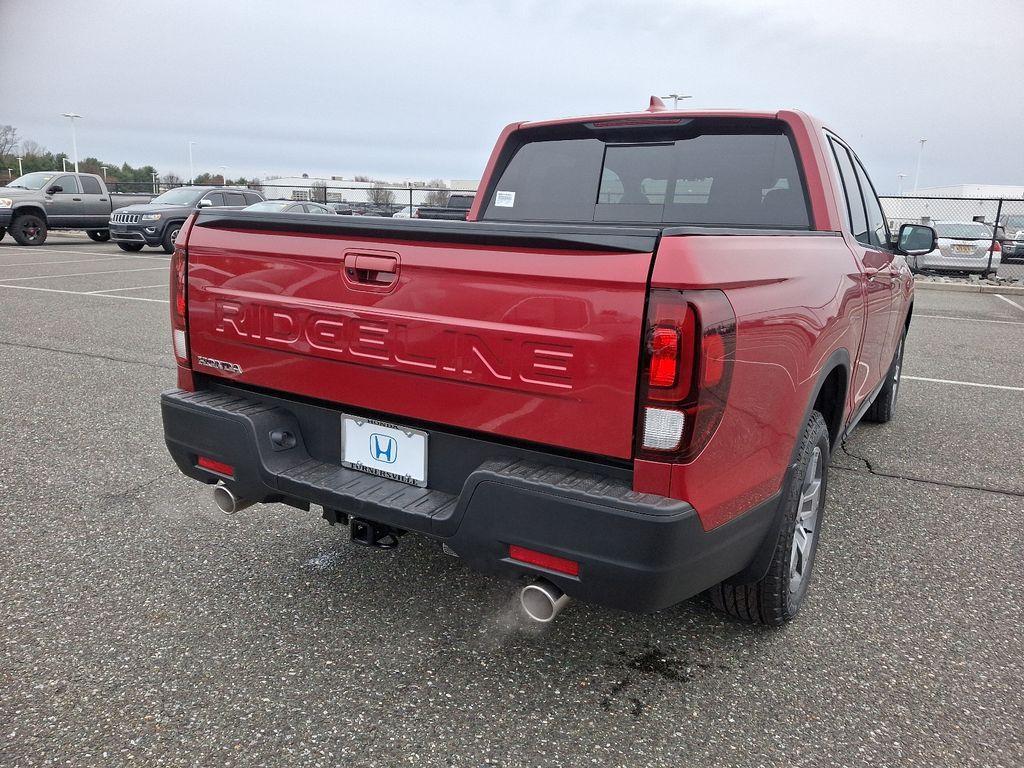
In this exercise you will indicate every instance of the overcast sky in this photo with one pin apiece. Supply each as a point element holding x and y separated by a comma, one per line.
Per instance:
<point>420,89</point>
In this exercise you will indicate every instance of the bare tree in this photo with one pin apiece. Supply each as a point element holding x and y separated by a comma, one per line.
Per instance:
<point>380,194</point>
<point>318,192</point>
<point>438,194</point>
<point>31,148</point>
<point>8,140</point>
<point>361,177</point>
<point>171,180</point>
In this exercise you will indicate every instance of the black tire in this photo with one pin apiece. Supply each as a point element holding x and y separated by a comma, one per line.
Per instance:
<point>170,235</point>
<point>98,235</point>
<point>777,597</point>
<point>130,247</point>
<point>28,229</point>
<point>884,406</point>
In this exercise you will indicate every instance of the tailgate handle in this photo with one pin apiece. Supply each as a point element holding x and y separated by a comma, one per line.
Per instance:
<point>371,269</point>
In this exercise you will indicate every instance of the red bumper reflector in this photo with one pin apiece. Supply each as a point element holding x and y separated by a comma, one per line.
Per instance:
<point>215,466</point>
<point>551,562</point>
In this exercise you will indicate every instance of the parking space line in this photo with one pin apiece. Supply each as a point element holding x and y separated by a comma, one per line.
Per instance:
<point>84,293</point>
<point>965,383</point>
<point>1009,301</point>
<point>84,274</point>
<point>133,288</point>
<point>970,319</point>
<point>44,249</point>
<point>69,261</point>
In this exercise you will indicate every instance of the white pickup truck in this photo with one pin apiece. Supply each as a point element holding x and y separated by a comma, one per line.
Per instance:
<point>35,203</point>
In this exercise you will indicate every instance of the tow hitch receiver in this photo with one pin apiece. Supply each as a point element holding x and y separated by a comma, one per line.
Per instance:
<point>368,534</point>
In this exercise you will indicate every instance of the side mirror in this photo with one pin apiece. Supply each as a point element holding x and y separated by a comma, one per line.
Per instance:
<point>54,189</point>
<point>916,239</point>
<point>205,203</point>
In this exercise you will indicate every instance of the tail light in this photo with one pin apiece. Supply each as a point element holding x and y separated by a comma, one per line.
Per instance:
<point>179,303</point>
<point>997,246</point>
<point>685,374</point>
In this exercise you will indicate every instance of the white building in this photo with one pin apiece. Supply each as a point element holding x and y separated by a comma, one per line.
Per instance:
<point>341,190</point>
<point>973,190</point>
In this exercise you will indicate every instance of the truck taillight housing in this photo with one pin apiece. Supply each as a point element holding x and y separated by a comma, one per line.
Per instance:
<point>689,347</point>
<point>179,304</point>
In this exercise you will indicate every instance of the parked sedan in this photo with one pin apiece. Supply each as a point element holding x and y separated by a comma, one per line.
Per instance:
<point>288,206</point>
<point>1013,238</point>
<point>963,246</point>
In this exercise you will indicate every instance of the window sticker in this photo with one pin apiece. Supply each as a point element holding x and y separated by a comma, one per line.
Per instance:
<point>504,199</point>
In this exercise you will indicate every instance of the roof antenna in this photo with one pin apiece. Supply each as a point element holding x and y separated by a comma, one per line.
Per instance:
<point>657,105</point>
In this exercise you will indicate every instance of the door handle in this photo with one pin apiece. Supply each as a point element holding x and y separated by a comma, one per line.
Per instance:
<point>371,270</point>
<point>77,199</point>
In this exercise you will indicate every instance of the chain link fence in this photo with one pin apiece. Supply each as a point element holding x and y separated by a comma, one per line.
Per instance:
<point>360,198</point>
<point>983,236</point>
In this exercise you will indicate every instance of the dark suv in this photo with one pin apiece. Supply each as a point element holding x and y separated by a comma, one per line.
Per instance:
<point>157,222</point>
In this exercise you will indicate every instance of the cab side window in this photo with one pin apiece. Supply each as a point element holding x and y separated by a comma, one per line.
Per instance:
<point>217,198</point>
<point>91,186</point>
<point>68,184</point>
<point>878,229</point>
<point>851,190</point>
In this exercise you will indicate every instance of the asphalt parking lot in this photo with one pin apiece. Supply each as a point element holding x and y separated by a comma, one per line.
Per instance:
<point>141,626</point>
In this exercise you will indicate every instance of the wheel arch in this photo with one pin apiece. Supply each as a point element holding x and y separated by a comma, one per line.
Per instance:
<point>31,208</point>
<point>830,388</point>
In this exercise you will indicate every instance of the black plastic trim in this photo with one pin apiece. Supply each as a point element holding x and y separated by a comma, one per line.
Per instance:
<point>636,551</point>
<point>514,234</point>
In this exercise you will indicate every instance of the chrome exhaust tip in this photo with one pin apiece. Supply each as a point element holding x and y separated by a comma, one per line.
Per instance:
<point>542,601</point>
<point>227,502</point>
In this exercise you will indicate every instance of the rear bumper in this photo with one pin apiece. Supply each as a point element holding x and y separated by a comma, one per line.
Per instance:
<point>638,552</point>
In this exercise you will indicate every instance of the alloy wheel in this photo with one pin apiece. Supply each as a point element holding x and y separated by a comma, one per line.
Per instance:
<point>805,532</point>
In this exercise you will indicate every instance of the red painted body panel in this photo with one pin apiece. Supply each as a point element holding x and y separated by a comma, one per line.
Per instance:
<point>526,344</point>
<point>543,346</point>
<point>797,300</point>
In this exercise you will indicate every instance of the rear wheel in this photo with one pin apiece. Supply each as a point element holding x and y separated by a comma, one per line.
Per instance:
<point>130,247</point>
<point>884,406</point>
<point>170,235</point>
<point>98,235</point>
<point>28,229</point>
<point>777,597</point>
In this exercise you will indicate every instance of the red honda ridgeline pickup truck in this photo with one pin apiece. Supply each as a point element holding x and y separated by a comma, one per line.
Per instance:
<point>622,377</point>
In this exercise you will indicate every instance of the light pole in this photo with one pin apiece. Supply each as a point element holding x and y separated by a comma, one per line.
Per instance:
<point>64,160</point>
<point>104,168</point>
<point>20,172</point>
<point>191,171</point>
<point>676,98</point>
<point>74,140</point>
<point>223,175</point>
<point>917,174</point>
<point>899,182</point>
<point>154,174</point>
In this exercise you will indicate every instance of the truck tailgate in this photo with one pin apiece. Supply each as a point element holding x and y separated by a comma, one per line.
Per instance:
<point>530,332</point>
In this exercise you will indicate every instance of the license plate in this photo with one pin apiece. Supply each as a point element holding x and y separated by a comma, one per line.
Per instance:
<point>964,249</point>
<point>385,450</point>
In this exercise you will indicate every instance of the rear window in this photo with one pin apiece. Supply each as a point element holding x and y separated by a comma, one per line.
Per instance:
<point>702,171</point>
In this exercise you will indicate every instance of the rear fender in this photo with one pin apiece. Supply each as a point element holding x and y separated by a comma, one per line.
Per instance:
<point>758,566</point>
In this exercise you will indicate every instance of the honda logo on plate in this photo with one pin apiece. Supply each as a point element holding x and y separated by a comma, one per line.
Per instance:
<point>383,448</point>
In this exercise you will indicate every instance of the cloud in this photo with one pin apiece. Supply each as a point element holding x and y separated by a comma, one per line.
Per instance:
<point>422,89</point>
